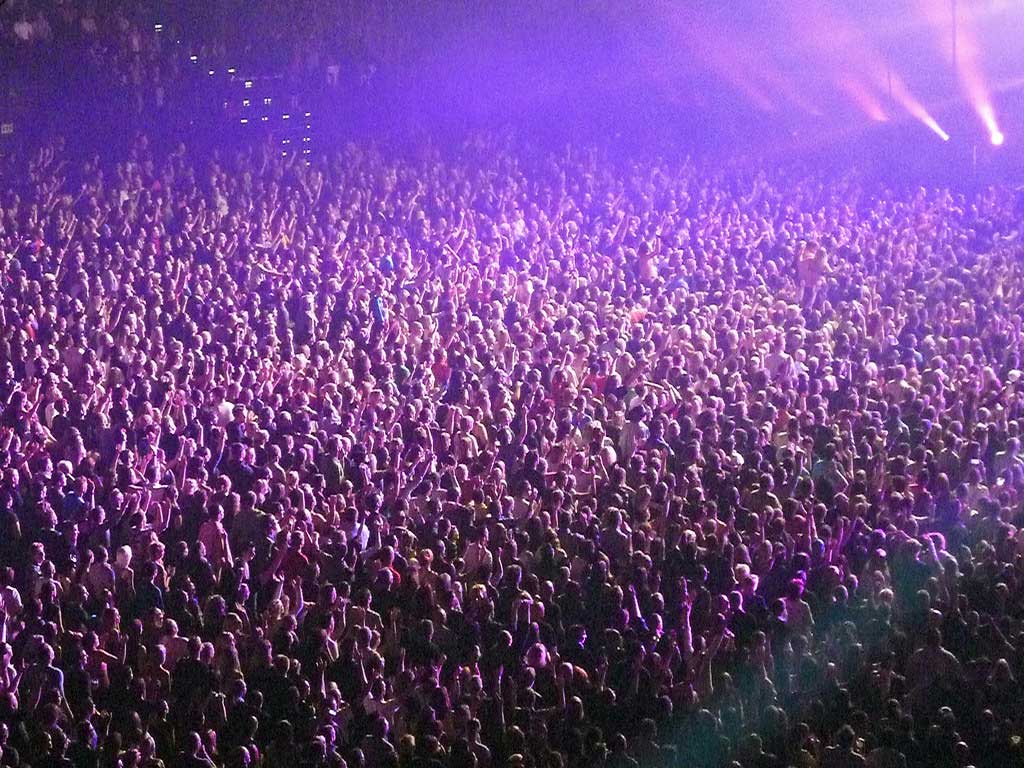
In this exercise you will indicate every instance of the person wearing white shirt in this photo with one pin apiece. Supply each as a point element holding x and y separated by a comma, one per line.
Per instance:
<point>24,30</point>
<point>355,531</point>
<point>10,601</point>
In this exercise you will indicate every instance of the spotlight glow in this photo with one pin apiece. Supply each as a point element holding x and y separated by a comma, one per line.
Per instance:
<point>988,117</point>
<point>864,99</point>
<point>934,126</point>
<point>967,60</point>
<point>997,139</point>
<point>860,69</point>
<point>727,58</point>
<point>902,95</point>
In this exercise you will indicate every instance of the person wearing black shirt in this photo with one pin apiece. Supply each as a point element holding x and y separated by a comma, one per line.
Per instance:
<point>147,594</point>
<point>83,753</point>
<point>191,680</point>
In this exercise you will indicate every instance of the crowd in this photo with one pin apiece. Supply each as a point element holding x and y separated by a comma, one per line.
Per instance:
<point>503,457</point>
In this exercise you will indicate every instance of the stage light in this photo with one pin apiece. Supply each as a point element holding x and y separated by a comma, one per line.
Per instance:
<point>967,60</point>
<point>930,122</point>
<point>918,111</point>
<point>988,116</point>
<point>902,95</point>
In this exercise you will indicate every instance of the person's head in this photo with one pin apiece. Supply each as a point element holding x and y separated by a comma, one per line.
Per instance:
<point>845,738</point>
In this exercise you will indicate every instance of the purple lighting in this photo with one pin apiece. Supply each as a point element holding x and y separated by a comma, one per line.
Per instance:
<point>610,385</point>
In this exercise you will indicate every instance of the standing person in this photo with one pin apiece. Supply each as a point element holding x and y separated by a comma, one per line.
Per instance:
<point>812,269</point>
